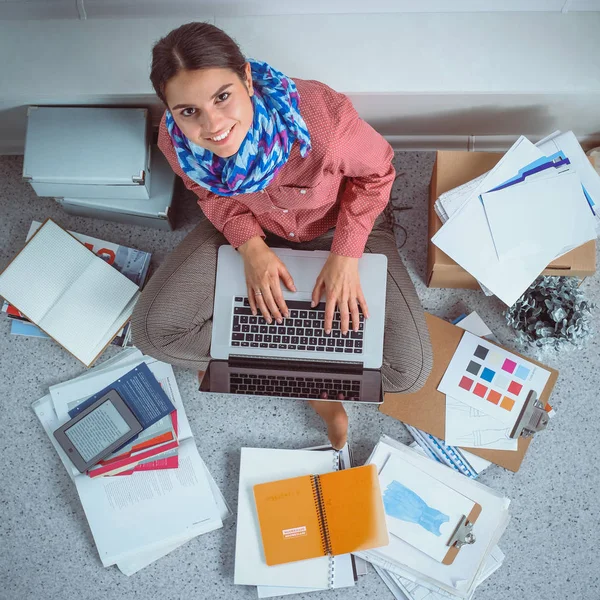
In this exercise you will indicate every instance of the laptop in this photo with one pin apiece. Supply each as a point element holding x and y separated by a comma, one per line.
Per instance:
<point>296,359</point>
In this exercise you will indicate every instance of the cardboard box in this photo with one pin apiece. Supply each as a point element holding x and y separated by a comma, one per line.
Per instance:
<point>453,168</point>
<point>426,409</point>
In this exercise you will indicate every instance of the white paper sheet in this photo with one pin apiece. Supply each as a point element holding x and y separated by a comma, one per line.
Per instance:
<point>476,325</point>
<point>419,509</point>
<point>548,217</point>
<point>567,142</point>
<point>143,559</point>
<point>149,509</point>
<point>466,236</point>
<point>343,578</point>
<point>260,465</point>
<point>509,378</point>
<point>460,577</point>
<point>468,427</point>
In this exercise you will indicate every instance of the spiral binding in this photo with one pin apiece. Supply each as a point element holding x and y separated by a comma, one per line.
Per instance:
<point>323,527</point>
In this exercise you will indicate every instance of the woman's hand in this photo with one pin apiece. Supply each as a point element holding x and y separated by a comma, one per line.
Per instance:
<point>340,281</point>
<point>263,270</point>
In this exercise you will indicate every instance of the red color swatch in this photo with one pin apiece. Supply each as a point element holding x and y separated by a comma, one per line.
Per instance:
<point>515,388</point>
<point>480,390</point>
<point>465,383</point>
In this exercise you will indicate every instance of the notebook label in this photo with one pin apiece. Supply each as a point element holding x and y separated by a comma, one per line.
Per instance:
<point>294,532</point>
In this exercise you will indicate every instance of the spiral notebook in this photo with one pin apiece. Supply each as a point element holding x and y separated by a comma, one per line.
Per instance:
<point>321,515</point>
<point>259,465</point>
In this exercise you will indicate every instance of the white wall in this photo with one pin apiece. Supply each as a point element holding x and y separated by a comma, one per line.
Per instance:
<point>422,78</point>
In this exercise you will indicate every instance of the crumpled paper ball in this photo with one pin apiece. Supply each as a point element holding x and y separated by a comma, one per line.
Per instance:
<point>551,314</point>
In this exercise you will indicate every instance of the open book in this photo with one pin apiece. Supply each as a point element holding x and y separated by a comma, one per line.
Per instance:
<point>69,292</point>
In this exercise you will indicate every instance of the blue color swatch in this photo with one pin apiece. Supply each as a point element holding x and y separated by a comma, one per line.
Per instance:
<point>522,372</point>
<point>487,374</point>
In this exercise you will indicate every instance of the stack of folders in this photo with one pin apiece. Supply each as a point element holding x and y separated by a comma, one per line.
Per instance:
<point>68,292</point>
<point>169,496</point>
<point>267,536</point>
<point>538,203</point>
<point>134,264</point>
<point>425,503</point>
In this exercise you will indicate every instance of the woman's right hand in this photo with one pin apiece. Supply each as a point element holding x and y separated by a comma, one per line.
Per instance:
<point>263,270</point>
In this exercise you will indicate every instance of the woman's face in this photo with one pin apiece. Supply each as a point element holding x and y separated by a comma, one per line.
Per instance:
<point>212,103</point>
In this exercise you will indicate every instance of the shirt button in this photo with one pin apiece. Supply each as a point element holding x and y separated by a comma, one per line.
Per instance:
<point>292,234</point>
<point>285,211</point>
<point>303,191</point>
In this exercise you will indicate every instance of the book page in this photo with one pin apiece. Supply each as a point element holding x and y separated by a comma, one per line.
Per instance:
<point>50,262</point>
<point>88,308</point>
<point>147,510</point>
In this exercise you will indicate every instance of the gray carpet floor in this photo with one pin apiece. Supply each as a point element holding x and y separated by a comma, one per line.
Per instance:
<point>46,548</point>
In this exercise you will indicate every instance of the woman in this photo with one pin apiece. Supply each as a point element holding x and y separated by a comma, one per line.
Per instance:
<point>274,162</point>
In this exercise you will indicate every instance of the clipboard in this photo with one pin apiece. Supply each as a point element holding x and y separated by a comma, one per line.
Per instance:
<point>462,535</point>
<point>426,409</point>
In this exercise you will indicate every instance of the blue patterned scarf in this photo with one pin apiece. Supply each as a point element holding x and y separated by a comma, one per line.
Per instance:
<point>266,148</point>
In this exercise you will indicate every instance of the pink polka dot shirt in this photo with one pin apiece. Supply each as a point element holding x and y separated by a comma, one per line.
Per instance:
<point>343,182</point>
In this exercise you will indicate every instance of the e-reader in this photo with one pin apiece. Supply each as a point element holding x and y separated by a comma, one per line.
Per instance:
<point>97,431</point>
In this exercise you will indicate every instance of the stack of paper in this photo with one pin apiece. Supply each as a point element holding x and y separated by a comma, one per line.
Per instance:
<point>414,570</point>
<point>506,226</point>
<point>261,465</point>
<point>134,264</point>
<point>138,519</point>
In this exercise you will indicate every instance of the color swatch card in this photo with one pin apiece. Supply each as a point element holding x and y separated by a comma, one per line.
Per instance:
<point>419,509</point>
<point>491,379</point>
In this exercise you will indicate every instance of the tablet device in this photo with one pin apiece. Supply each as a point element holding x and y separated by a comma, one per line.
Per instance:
<point>97,431</point>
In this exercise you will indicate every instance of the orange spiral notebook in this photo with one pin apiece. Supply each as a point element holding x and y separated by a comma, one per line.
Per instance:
<point>319,515</point>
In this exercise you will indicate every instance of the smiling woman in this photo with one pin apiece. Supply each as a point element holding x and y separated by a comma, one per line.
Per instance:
<point>274,161</point>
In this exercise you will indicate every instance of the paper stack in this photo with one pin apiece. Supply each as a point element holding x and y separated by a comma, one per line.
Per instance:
<point>134,264</point>
<point>138,519</point>
<point>539,202</point>
<point>414,568</point>
<point>261,465</point>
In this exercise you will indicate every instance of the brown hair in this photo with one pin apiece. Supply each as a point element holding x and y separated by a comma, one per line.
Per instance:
<point>194,46</point>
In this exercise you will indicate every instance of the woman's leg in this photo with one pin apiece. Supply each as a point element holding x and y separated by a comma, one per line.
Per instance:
<point>172,320</point>
<point>407,354</point>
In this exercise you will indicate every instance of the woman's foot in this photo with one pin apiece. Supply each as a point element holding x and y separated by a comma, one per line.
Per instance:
<point>336,419</point>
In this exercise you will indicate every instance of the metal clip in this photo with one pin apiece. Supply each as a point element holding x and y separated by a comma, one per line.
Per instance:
<point>533,418</point>
<point>463,534</point>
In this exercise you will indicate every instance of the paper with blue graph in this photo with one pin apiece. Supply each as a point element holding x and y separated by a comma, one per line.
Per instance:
<point>419,509</point>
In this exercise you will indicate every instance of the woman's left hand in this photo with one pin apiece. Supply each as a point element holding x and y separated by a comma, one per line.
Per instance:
<point>340,282</point>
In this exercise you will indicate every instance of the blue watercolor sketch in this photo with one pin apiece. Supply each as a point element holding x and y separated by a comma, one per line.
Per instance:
<point>402,503</point>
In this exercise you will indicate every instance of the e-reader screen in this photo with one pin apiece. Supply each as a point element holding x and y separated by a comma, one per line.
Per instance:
<point>98,430</point>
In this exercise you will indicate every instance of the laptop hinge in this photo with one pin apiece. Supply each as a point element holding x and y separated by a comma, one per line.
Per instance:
<point>262,362</point>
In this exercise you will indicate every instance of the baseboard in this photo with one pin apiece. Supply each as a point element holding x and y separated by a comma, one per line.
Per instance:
<point>409,143</point>
<point>10,147</point>
<point>471,143</point>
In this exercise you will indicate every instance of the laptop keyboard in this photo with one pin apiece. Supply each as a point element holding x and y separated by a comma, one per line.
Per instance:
<point>292,386</point>
<point>304,330</point>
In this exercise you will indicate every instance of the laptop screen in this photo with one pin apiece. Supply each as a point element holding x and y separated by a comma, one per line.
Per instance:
<point>302,380</point>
